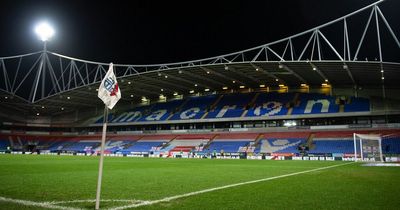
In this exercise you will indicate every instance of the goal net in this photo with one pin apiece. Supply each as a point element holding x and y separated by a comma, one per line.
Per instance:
<point>367,147</point>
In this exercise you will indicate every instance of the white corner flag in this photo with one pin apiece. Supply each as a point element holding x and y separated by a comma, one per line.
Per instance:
<point>109,91</point>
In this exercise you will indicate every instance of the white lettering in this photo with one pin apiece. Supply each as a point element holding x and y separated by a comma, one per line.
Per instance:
<point>132,116</point>
<point>270,108</point>
<point>190,113</point>
<point>310,104</point>
<point>156,115</point>
<point>222,112</point>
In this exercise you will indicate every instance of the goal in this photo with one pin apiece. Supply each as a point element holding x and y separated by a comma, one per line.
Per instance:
<point>367,147</point>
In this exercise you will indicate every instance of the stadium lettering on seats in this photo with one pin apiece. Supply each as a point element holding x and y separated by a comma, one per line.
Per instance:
<point>268,109</point>
<point>310,104</point>
<point>222,112</point>
<point>190,113</point>
<point>157,115</point>
<point>133,116</point>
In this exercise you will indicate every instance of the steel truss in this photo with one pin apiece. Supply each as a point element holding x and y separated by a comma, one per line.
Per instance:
<point>45,73</point>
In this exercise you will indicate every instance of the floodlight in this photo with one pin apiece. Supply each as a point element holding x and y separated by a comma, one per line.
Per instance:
<point>44,31</point>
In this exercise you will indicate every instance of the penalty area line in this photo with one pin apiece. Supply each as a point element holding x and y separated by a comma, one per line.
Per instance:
<point>167,199</point>
<point>37,204</point>
<point>93,200</point>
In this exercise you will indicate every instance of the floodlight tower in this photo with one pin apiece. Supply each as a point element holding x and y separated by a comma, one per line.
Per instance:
<point>44,31</point>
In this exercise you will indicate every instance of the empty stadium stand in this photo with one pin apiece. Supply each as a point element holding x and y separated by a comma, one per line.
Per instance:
<point>236,105</point>
<point>4,144</point>
<point>325,143</point>
<point>281,145</point>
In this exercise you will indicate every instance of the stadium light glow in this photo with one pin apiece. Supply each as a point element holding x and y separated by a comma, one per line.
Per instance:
<point>192,91</point>
<point>262,86</point>
<point>175,94</point>
<point>290,123</point>
<point>207,89</point>
<point>44,31</point>
<point>224,88</point>
<point>242,86</point>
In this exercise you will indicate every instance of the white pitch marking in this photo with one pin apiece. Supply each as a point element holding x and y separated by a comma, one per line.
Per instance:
<point>32,203</point>
<point>146,203</point>
<point>92,201</point>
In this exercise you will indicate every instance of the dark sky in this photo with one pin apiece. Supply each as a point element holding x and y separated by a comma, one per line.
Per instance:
<point>146,32</point>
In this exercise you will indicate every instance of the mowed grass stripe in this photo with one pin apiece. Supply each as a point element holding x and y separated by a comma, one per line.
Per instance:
<point>167,199</point>
<point>49,178</point>
<point>68,178</point>
<point>348,187</point>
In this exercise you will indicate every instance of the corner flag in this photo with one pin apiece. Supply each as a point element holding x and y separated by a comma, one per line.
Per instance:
<point>109,91</point>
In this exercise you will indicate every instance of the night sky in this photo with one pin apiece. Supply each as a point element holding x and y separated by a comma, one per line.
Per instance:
<point>149,32</point>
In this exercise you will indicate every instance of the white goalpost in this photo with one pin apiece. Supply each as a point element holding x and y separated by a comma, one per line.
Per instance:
<point>367,147</point>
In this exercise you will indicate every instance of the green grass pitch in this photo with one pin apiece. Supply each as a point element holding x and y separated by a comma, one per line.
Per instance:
<point>50,181</point>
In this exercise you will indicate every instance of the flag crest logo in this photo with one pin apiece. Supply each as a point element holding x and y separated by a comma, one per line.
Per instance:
<point>109,91</point>
<point>111,86</point>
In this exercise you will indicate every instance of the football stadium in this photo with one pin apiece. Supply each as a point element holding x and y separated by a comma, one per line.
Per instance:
<point>309,121</point>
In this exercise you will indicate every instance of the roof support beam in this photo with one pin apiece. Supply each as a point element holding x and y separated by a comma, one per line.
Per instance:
<point>191,83</point>
<point>346,67</point>
<point>69,102</point>
<point>245,75</point>
<point>156,87</point>
<point>203,78</point>
<point>168,84</point>
<point>142,90</point>
<point>294,73</point>
<point>267,73</point>
<point>225,77</point>
<point>315,68</point>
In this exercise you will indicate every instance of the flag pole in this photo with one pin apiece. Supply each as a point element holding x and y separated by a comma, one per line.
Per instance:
<point>103,140</point>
